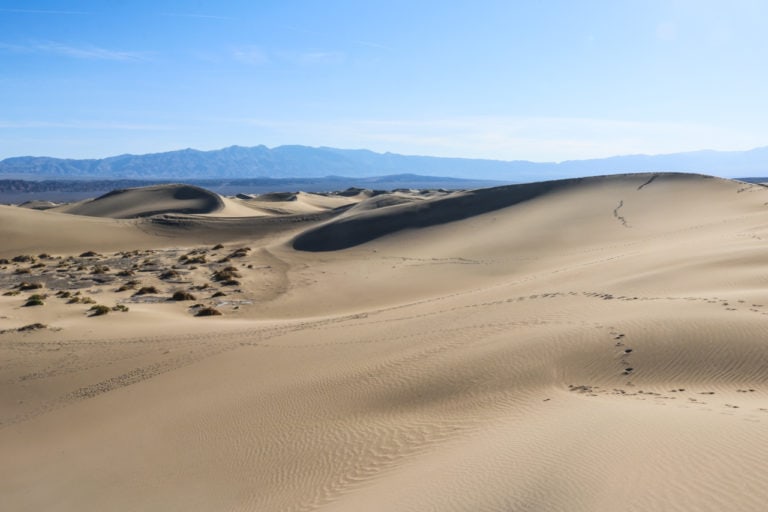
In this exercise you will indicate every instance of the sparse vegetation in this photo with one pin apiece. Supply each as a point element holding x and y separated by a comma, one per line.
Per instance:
<point>120,307</point>
<point>98,310</point>
<point>25,286</point>
<point>225,274</point>
<point>32,327</point>
<point>89,254</point>
<point>217,247</point>
<point>24,258</point>
<point>208,311</point>
<point>182,295</point>
<point>35,300</point>
<point>218,294</point>
<point>147,290</point>
<point>170,274</point>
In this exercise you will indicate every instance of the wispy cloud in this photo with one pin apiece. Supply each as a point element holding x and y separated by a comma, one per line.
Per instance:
<point>373,45</point>
<point>41,11</point>
<point>510,138</point>
<point>88,52</point>
<point>199,16</point>
<point>85,125</point>
<point>250,55</point>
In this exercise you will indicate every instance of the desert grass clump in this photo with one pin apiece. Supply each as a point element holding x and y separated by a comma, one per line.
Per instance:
<point>120,307</point>
<point>99,269</point>
<point>24,258</point>
<point>170,274</point>
<point>182,295</point>
<point>11,293</point>
<point>225,274</point>
<point>146,290</point>
<point>63,294</point>
<point>87,300</point>
<point>25,286</point>
<point>89,254</point>
<point>32,327</point>
<point>35,300</point>
<point>217,247</point>
<point>218,294</point>
<point>98,310</point>
<point>20,271</point>
<point>74,300</point>
<point>38,265</point>
<point>126,273</point>
<point>4,261</point>
<point>240,253</point>
<point>208,311</point>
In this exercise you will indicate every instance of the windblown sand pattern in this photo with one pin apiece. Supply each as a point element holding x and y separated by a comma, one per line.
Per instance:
<point>582,345</point>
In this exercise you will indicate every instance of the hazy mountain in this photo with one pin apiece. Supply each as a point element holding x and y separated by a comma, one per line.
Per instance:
<point>308,162</point>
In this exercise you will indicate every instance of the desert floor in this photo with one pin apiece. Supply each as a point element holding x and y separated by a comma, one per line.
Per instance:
<point>597,344</point>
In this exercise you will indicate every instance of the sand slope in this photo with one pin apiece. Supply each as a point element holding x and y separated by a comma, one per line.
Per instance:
<point>583,345</point>
<point>146,201</point>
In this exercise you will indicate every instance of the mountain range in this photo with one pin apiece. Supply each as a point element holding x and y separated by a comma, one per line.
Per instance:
<point>237,162</point>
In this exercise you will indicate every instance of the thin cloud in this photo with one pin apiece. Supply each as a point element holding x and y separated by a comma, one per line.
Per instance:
<point>250,55</point>
<point>88,52</point>
<point>192,15</point>
<point>373,45</point>
<point>41,11</point>
<point>85,125</point>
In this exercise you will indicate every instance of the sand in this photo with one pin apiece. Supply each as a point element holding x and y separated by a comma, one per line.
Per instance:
<point>580,345</point>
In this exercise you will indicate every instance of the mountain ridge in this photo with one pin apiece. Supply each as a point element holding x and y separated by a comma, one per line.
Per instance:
<point>296,161</point>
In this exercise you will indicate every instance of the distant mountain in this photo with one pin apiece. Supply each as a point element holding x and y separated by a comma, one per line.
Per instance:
<point>308,162</point>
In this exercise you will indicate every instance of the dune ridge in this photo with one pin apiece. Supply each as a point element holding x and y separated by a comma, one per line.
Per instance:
<point>582,345</point>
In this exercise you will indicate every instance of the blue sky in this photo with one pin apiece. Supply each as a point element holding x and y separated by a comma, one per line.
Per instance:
<point>542,80</point>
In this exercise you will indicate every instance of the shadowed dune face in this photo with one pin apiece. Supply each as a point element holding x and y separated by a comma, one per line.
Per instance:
<point>148,201</point>
<point>380,216</point>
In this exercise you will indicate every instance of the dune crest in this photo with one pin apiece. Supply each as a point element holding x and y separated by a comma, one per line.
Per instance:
<point>147,201</point>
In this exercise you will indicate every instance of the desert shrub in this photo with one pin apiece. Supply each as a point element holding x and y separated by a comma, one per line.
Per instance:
<point>225,274</point>
<point>73,300</point>
<point>38,265</point>
<point>198,260</point>
<point>217,247</point>
<point>126,273</point>
<point>24,258</point>
<point>240,253</point>
<point>44,256</point>
<point>218,294</point>
<point>146,290</point>
<point>126,286</point>
<point>11,293</point>
<point>25,286</point>
<point>230,282</point>
<point>182,295</point>
<point>32,327</point>
<point>22,271</point>
<point>35,300</point>
<point>89,254</point>
<point>4,261</point>
<point>99,269</point>
<point>87,300</point>
<point>63,294</point>
<point>169,274</point>
<point>98,310</point>
<point>120,307</point>
<point>208,311</point>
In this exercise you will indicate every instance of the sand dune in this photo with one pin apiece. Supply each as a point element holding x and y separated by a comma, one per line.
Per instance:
<point>578,345</point>
<point>146,201</point>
